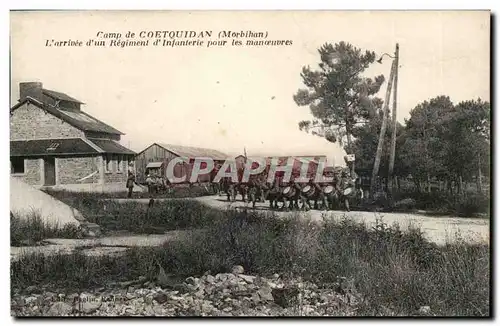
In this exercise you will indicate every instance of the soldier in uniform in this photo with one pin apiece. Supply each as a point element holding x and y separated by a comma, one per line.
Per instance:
<point>149,182</point>
<point>297,196</point>
<point>262,186</point>
<point>259,188</point>
<point>345,182</point>
<point>265,190</point>
<point>275,194</point>
<point>160,184</point>
<point>253,190</point>
<point>222,188</point>
<point>240,187</point>
<point>213,174</point>
<point>286,205</point>
<point>130,183</point>
<point>320,198</point>
<point>229,188</point>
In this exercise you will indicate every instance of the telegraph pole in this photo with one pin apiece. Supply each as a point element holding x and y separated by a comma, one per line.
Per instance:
<point>390,181</point>
<point>383,128</point>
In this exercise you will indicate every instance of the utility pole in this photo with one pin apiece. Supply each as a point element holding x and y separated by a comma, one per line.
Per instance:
<point>383,128</point>
<point>390,181</point>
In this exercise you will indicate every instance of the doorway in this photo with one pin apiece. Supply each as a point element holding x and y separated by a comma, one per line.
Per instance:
<point>49,165</point>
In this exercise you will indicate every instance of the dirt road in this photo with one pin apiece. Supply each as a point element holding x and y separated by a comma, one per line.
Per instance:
<point>440,230</point>
<point>108,245</point>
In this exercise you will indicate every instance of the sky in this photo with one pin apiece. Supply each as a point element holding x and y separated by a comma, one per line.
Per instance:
<point>230,98</point>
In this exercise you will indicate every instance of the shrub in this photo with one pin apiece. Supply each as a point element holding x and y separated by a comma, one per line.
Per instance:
<point>467,206</point>
<point>472,204</point>
<point>30,229</point>
<point>406,204</point>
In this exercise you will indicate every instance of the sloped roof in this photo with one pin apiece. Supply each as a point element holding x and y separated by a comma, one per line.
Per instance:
<point>66,146</point>
<point>60,96</point>
<point>43,147</point>
<point>111,146</point>
<point>192,152</point>
<point>77,119</point>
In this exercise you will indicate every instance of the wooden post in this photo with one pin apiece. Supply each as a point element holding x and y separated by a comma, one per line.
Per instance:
<point>394,125</point>
<point>383,128</point>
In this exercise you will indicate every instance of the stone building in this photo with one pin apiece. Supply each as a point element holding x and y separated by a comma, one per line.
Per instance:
<point>53,143</point>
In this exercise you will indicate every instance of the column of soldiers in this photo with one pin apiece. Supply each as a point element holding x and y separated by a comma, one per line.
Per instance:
<point>294,195</point>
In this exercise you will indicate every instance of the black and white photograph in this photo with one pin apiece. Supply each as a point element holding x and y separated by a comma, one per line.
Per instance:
<point>250,163</point>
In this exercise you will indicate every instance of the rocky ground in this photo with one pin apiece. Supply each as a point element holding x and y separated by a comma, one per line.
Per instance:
<point>228,294</point>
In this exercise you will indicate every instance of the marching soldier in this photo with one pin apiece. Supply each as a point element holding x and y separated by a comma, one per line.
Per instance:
<point>160,184</point>
<point>213,174</point>
<point>149,182</point>
<point>274,194</point>
<point>231,190</point>
<point>243,190</point>
<point>298,196</point>
<point>130,183</point>
<point>228,188</point>
<point>345,181</point>
<point>320,196</point>
<point>253,190</point>
<point>265,190</point>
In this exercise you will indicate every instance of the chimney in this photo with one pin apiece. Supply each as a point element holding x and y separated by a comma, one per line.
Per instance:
<point>31,89</point>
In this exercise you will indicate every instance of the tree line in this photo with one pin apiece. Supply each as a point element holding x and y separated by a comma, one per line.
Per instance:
<point>440,143</point>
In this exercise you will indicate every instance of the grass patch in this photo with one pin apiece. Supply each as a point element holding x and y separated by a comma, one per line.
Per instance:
<point>31,228</point>
<point>139,218</point>
<point>393,270</point>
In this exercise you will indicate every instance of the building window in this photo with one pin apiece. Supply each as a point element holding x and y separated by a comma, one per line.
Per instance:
<point>16,165</point>
<point>107,163</point>
<point>119,166</point>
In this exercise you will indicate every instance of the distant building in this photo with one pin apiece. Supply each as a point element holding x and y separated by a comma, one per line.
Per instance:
<point>155,159</point>
<point>54,143</point>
